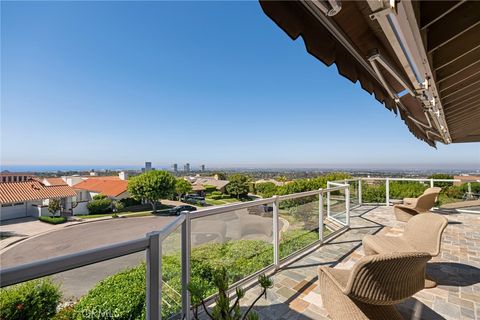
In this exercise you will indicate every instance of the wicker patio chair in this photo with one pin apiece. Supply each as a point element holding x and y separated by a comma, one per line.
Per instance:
<point>423,233</point>
<point>373,286</point>
<point>414,206</point>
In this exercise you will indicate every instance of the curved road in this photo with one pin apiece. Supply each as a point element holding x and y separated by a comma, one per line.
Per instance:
<point>75,283</point>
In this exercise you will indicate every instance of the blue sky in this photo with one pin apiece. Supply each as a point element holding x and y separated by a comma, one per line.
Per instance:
<point>118,83</point>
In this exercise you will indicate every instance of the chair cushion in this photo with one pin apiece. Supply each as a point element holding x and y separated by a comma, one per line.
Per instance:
<point>386,244</point>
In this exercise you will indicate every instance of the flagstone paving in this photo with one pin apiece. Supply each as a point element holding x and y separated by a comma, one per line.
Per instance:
<point>296,295</point>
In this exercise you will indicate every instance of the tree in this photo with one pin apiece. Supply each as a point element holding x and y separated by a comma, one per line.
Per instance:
<point>266,189</point>
<point>53,206</point>
<point>182,187</point>
<point>220,175</point>
<point>152,186</point>
<point>238,185</point>
<point>117,206</point>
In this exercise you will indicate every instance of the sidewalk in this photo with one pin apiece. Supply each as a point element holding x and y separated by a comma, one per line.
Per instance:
<point>19,229</point>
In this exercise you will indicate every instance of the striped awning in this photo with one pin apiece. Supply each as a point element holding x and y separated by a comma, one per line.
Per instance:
<point>418,58</point>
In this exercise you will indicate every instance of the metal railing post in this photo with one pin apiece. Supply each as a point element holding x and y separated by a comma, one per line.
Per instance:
<point>328,200</point>
<point>360,191</point>
<point>347,205</point>
<point>387,192</point>
<point>154,277</point>
<point>276,233</point>
<point>320,215</point>
<point>186,270</point>
<point>431,183</point>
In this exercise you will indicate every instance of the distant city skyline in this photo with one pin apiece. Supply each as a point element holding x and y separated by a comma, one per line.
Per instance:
<point>111,84</point>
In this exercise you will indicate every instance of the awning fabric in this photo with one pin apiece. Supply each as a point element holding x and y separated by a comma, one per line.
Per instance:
<point>364,35</point>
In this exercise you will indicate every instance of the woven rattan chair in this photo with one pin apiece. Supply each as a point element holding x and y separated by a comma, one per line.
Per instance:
<point>414,206</point>
<point>423,233</point>
<point>374,285</point>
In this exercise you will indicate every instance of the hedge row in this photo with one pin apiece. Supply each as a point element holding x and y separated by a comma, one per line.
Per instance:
<point>53,220</point>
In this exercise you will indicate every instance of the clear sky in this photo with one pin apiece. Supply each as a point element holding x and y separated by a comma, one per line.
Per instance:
<point>118,83</point>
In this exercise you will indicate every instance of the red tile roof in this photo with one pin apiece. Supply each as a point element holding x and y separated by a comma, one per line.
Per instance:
<point>56,181</point>
<point>32,190</point>
<point>108,187</point>
<point>103,177</point>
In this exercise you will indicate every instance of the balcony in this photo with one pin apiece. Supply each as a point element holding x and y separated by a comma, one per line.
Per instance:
<point>286,236</point>
<point>457,296</point>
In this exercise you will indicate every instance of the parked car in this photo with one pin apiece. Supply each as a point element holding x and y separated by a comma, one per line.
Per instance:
<point>194,197</point>
<point>179,209</point>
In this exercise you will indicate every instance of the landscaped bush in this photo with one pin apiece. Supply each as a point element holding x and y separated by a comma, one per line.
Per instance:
<point>295,240</point>
<point>99,196</point>
<point>266,189</point>
<point>406,189</point>
<point>209,188</point>
<point>99,206</point>
<point>121,296</point>
<point>216,193</point>
<point>37,299</point>
<point>128,202</point>
<point>214,196</point>
<point>53,220</point>
<point>441,176</point>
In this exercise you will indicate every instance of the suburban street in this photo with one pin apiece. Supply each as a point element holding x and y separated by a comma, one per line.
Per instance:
<point>80,237</point>
<point>75,283</point>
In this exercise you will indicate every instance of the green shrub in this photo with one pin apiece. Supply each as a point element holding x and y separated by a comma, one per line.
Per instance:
<point>53,220</point>
<point>99,206</point>
<point>216,193</point>
<point>209,189</point>
<point>295,240</point>
<point>67,313</point>
<point>99,196</point>
<point>441,176</point>
<point>37,299</point>
<point>215,196</point>
<point>266,189</point>
<point>128,202</point>
<point>121,296</point>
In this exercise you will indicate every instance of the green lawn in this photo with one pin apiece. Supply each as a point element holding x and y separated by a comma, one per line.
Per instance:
<point>220,201</point>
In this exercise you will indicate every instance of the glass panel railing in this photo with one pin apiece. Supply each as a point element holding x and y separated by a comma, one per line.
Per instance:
<point>172,274</point>
<point>240,240</point>
<point>337,207</point>
<point>373,191</point>
<point>299,224</point>
<point>111,289</point>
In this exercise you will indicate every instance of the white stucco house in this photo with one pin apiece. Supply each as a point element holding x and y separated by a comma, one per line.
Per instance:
<point>30,198</point>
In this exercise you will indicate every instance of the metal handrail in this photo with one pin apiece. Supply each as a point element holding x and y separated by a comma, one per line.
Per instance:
<point>42,268</point>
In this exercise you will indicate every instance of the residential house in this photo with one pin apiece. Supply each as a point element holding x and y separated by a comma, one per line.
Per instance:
<point>15,177</point>
<point>220,185</point>
<point>275,182</point>
<point>31,198</point>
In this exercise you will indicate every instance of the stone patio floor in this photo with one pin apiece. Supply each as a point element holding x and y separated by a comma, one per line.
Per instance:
<point>296,296</point>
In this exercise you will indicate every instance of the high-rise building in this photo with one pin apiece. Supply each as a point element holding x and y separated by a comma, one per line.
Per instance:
<point>203,168</point>
<point>186,167</point>
<point>148,167</point>
<point>175,167</point>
